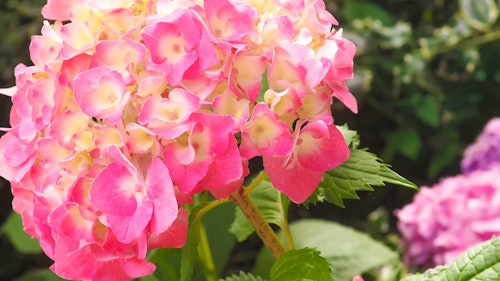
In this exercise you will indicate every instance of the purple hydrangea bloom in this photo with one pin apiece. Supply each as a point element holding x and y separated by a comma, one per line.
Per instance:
<point>446,219</point>
<point>485,152</point>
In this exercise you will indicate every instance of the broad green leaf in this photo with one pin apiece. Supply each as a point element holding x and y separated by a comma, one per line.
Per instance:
<point>479,14</point>
<point>242,277</point>
<point>405,141</point>
<point>479,263</point>
<point>270,202</point>
<point>357,9</point>
<point>361,171</point>
<point>428,111</point>
<point>433,274</point>
<point>221,241</point>
<point>24,243</point>
<point>349,252</point>
<point>442,158</point>
<point>168,263</point>
<point>299,265</point>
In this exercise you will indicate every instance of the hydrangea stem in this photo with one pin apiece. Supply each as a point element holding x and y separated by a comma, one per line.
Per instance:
<point>262,228</point>
<point>205,256</point>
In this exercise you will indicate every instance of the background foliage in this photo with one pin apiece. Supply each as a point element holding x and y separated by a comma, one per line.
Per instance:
<point>427,79</point>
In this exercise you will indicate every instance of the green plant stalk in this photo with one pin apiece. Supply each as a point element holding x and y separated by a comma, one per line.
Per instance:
<point>284,223</point>
<point>259,223</point>
<point>258,179</point>
<point>205,256</point>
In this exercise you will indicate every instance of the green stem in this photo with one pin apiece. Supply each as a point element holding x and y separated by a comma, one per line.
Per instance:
<point>258,179</point>
<point>209,207</point>
<point>469,43</point>
<point>205,255</point>
<point>254,216</point>
<point>284,223</point>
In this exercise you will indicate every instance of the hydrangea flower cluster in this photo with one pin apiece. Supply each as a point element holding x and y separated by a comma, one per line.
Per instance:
<point>132,106</point>
<point>446,219</point>
<point>485,152</point>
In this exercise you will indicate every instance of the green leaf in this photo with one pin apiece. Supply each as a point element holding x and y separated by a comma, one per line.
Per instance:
<point>217,223</point>
<point>24,243</point>
<point>479,263</point>
<point>479,14</point>
<point>428,111</point>
<point>405,141</point>
<point>299,265</point>
<point>264,87</point>
<point>356,9</point>
<point>168,263</point>
<point>433,274</point>
<point>39,275</point>
<point>361,171</point>
<point>351,137</point>
<point>348,251</point>
<point>242,277</point>
<point>273,206</point>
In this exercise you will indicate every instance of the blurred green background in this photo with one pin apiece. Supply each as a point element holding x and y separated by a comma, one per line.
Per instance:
<point>427,80</point>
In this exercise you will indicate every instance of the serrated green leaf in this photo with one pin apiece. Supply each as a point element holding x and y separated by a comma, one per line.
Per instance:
<point>479,263</point>
<point>300,265</point>
<point>273,206</point>
<point>351,137</point>
<point>242,277</point>
<point>348,251</point>
<point>361,171</point>
<point>433,274</point>
<point>24,243</point>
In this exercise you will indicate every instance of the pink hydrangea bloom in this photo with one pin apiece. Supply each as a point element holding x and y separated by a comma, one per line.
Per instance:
<point>485,152</point>
<point>133,106</point>
<point>446,219</point>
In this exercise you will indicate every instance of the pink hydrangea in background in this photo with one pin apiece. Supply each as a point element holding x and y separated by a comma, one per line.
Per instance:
<point>485,152</point>
<point>446,219</point>
<point>133,106</point>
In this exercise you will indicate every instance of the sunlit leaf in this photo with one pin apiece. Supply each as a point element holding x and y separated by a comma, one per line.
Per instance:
<point>362,171</point>
<point>242,277</point>
<point>348,251</point>
<point>299,265</point>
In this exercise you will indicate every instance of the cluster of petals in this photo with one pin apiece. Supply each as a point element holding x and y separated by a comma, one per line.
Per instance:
<point>444,220</point>
<point>484,153</point>
<point>132,106</point>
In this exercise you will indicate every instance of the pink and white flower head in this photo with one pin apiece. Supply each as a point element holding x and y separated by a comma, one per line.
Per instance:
<point>133,106</point>
<point>446,219</point>
<point>484,153</point>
